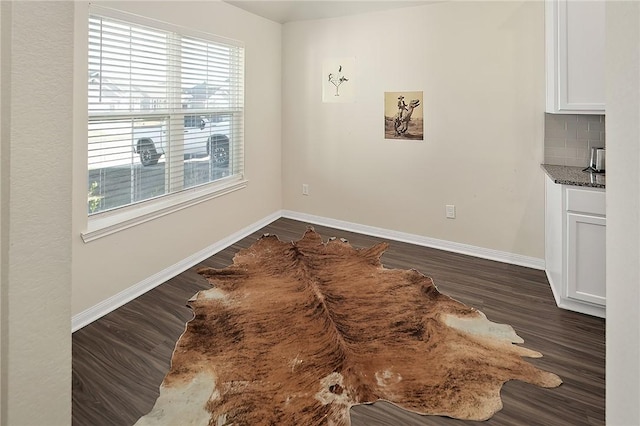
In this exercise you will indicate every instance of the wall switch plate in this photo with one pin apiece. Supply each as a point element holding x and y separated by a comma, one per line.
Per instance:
<point>305,189</point>
<point>451,211</point>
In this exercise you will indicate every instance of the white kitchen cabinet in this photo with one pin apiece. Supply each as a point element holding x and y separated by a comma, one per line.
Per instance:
<point>586,258</point>
<point>575,234</point>
<point>575,56</point>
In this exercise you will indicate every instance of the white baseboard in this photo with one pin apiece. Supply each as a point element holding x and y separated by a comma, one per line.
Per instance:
<point>554,290</point>
<point>484,253</point>
<point>574,305</point>
<point>89,315</point>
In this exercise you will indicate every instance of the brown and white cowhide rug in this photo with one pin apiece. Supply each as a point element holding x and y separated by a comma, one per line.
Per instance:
<point>297,333</point>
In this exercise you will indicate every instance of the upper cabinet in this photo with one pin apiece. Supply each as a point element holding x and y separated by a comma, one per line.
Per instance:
<point>575,52</point>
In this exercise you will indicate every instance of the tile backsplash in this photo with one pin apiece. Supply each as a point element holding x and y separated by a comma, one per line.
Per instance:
<point>568,138</point>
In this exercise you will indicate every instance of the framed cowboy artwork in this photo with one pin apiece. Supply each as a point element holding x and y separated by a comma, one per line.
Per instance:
<point>403,115</point>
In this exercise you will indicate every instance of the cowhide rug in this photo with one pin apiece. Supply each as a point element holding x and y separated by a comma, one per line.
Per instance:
<point>297,333</point>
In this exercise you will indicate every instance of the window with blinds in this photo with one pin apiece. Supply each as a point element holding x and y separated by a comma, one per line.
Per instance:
<point>165,113</point>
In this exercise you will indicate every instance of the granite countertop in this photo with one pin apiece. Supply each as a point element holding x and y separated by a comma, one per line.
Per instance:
<point>569,175</point>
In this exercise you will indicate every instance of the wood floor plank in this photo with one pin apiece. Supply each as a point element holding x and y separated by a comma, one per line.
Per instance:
<point>120,360</point>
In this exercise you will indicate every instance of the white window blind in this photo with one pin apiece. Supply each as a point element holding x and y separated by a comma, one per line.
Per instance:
<point>165,113</point>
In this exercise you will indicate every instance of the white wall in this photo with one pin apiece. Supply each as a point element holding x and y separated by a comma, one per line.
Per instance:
<point>112,264</point>
<point>5,61</point>
<point>481,67</point>
<point>36,114</point>
<point>623,213</point>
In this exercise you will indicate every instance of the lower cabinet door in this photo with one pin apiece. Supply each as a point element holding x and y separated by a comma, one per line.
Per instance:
<point>586,262</point>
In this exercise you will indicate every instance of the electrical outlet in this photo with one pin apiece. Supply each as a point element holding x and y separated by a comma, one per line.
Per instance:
<point>451,211</point>
<point>305,189</point>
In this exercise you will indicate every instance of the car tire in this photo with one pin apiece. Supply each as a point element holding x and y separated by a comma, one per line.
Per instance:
<point>148,153</point>
<point>218,148</point>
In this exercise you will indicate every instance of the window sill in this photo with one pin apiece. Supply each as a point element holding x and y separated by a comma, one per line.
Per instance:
<point>109,223</point>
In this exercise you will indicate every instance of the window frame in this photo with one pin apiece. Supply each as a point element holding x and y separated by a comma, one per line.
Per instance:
<point>111,221</point>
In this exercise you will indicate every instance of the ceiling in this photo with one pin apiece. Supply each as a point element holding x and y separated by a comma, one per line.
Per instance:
<point>300,10</point>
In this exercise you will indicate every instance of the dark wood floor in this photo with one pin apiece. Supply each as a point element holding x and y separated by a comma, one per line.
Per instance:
<point>120,360</point>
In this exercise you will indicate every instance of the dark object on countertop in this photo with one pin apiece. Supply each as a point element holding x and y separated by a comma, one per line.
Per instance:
<point>597,160</point>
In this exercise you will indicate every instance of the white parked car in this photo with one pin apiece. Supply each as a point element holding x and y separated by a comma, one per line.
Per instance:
<point>202,138</point>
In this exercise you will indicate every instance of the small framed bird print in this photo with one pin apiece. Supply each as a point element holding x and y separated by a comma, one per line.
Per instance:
<point>338,80</point>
